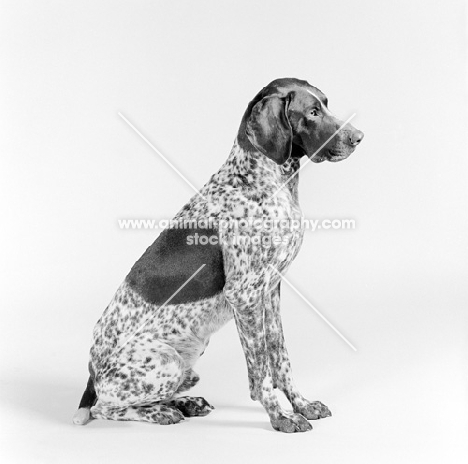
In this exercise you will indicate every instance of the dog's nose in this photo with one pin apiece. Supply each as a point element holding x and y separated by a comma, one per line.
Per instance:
<point>355,137</point>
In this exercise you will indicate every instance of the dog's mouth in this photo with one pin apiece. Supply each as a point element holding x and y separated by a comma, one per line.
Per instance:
<point>338,155</point>
<point>334,157</point>
<point>330,155</point>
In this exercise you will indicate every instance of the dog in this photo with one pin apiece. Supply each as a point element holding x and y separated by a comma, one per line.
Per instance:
<point>192,281</point>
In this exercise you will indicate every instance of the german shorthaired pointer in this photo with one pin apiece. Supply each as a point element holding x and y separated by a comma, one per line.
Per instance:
<point>180,292</point>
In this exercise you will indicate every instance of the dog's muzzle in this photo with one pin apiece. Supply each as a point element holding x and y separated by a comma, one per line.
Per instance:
<point>342,145</point>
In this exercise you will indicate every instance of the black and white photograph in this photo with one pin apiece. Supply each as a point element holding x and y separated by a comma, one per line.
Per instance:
<point>234,231</point>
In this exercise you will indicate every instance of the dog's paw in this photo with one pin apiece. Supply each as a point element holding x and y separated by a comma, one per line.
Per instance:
<point>313,410</point>
<point>167,416</point>
<point>191,406</point>
<point>290,422</point>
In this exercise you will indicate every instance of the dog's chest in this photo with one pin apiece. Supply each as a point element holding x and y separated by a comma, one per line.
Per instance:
<point>290,229</point>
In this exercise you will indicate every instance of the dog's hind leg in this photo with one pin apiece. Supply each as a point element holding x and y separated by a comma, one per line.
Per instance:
<point>191,406</point>
<point>157,413</point>
<point>137,381</point>
<point>191,378</point>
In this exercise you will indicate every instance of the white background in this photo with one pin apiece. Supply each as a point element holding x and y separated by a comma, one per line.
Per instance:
<point>183,73</point>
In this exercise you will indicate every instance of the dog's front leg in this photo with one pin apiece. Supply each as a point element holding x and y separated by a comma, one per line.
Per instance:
<point>245,294</point>
<point>280,364</point>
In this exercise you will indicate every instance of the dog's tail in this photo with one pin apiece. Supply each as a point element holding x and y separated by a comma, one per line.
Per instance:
<point>83,415</point>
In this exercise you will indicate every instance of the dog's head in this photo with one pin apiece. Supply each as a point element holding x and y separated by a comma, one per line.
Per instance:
<point>289,117</point>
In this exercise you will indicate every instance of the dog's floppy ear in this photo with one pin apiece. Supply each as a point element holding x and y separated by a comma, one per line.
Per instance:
<point>269,130</point>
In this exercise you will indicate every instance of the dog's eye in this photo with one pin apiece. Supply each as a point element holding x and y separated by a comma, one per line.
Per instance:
<point>314,112</point>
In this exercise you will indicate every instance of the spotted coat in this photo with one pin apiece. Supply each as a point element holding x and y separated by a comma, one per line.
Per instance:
<point>144,347</point>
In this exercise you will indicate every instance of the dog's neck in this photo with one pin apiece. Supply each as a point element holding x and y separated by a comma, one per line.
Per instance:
<point>254,171</point>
